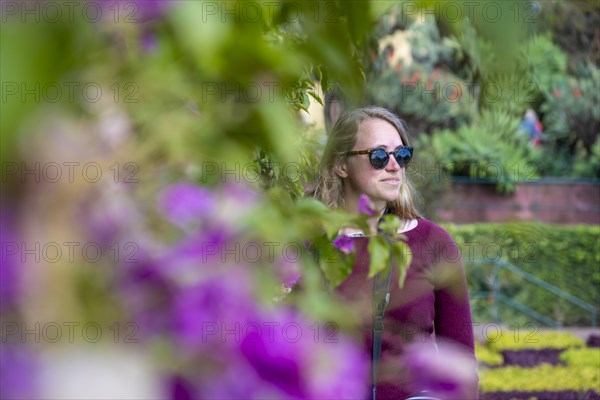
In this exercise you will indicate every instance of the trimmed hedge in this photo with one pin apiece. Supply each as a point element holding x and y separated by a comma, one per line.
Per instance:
<point>487,356</point>
<point>586,357</point>
<point>564,256</point>
<point>538,341</point>
<point>580,372</point>
<point>541,378</point>
<point>541,395</point>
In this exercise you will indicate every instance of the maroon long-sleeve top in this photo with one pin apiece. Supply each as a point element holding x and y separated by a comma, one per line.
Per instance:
<point>433,304</point>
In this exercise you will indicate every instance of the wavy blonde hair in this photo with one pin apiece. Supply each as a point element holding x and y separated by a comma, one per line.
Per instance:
<point>329,187</point>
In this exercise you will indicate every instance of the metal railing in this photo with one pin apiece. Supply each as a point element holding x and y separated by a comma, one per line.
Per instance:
<point>496,293</point>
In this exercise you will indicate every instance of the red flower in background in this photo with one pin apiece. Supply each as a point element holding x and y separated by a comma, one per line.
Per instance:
<point>413,79</point>
<point>454,95</point>
<point>416,77</point>
<point>577,92</point>
<point>555,92</point>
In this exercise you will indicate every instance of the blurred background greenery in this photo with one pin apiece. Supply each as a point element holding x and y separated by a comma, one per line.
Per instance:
<point>157,92</point>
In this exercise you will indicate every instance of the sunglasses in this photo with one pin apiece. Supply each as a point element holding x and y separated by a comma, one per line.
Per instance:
<point>380,158</point>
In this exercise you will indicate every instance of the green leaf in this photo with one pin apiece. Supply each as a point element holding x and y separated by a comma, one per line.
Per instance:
<point>390,224</point>
<point>379,253</point>
<point>335,265</point>
<point>316,97</point>
<point>402,258</point>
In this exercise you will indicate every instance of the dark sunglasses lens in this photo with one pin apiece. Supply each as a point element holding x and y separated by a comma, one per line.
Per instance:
<point>379,159</point>
<point>403,156</point>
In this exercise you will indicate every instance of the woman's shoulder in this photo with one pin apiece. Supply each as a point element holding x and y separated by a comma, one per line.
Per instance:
<point>429,230</point>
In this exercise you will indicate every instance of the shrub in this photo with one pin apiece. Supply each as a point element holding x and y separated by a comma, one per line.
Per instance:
<point>542,378</point>
<point>490,148</point>
<point>487,356</point>
<point>539,340</point>
<point>564,256</point>
<point>423,90</point>
<point>532,358</point>
<point>584,357</point>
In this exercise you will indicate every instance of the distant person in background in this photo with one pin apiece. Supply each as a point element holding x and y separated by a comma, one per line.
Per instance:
<point>533,127</point>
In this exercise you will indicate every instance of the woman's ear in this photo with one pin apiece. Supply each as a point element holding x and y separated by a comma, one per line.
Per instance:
<point>340,167</point>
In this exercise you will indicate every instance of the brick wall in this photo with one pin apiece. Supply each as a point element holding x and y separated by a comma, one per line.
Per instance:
<point>547,200</point>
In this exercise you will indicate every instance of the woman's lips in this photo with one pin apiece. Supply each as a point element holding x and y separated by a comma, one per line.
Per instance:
<point>391,181</point>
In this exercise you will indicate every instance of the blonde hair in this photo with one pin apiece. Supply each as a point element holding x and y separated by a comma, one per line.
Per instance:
<point>329,187</point>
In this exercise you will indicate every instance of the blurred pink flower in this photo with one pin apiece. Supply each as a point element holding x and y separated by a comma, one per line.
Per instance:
<point>187,204</point>
<point>365,206</point>
<point>19,368</point>
<point>288,271</point>
<point>10,263</point>
<point>205,312</point>
<point>298,358</point>
<point>344,243</point>
<point>448,372</point>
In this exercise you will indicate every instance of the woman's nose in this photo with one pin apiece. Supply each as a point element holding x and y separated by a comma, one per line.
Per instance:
<point>393,164</point>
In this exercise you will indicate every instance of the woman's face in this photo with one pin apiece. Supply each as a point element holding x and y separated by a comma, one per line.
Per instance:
<point>381,185</point>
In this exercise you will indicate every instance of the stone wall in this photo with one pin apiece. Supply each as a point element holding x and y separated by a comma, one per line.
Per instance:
<point>548,200</point>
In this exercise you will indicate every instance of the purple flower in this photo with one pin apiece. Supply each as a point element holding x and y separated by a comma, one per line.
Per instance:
<point>134,11</point>
<point>205,312</point>
<point>236,203</point>
<point>294,356</point>
<point>147,295</point>
<point>238,380</point>
<point>178,388</point>
<point>339,368</point>
<point>110,214</point>
<point>344,243</point>
<point>446,373</point>
<point>186,204</point>
<point>152,9</point>
<point>18,372</point>
<point>149,42</point>
<point>243,194</point>
<point>288,272</point>
<point>365,206</point>
<point>9,264</point>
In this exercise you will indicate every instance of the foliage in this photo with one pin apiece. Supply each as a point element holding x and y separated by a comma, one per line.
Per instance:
<point>426,99</point>
<point>564,256</point>
<point>573,26</point>
<point>584,357</point>
<point>554,74</point>
<point>542,378</point>
<point>486,356</point>
<point>499,380</point>
<point>538,340</point>
<point>214,107</point>
<point>490,148</point>
<point>571,113</point>
<point>424,92</point>
<point>591,168</point>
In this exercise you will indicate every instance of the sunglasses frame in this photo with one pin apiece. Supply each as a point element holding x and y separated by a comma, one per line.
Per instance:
<point>401,163</point>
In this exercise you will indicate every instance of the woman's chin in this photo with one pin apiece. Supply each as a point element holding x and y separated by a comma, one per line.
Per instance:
<point>391,195</point>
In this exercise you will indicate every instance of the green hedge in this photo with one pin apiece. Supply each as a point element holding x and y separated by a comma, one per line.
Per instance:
<point>487,356</point>
<point>581,372</point>
<point>536,341</point>
<point>543,378</point>
<point>584,357</point>
<point>564,256</point>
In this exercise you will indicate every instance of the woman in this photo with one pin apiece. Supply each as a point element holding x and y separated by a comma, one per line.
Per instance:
<point>367,153</point>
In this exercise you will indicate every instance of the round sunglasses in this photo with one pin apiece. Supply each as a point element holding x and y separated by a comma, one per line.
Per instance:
<point>380,158</point>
